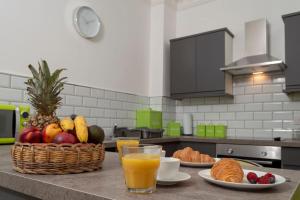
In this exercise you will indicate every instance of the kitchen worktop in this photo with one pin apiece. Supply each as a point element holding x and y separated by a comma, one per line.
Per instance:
<point>108,183</point>
<point>166,139</point>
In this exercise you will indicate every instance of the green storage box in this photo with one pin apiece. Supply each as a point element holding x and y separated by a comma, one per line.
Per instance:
<point>220,131</point>
<point>201,130</point>
<point>148,118</point>
<point>210,131</point>
<point>173,129</point>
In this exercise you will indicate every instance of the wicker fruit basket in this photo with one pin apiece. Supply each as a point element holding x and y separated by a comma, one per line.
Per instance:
<point>49,158</point>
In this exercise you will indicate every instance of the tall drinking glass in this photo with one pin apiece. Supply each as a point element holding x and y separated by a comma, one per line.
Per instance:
<point>128,141</point>
<point>140,165</point>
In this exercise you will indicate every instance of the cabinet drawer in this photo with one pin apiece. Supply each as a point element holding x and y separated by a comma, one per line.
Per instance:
<point>290,156</point>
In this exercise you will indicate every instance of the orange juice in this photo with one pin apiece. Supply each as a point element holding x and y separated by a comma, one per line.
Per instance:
<point>120,143</point>
<point>140,170</point>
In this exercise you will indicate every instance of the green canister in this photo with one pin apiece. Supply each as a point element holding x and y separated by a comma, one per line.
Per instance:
<point>173,128</point>
<point>210,131</point>
<point>201,130</point>
<point>220,131</point>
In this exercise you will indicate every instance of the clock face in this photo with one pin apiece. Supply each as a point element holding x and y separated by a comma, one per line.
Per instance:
<point>86,22</point>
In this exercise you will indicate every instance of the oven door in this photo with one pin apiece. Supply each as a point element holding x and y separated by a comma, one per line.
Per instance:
<point>8,124</point>
<point>255,162</point>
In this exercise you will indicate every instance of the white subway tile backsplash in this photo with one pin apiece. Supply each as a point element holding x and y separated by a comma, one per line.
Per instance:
<point>231,133</point>
<point>243,98</point>
<point>122,114</point>
<point>244,133</point>
<point>197,101</point>
<point>253,89</point>
<point>4,80</point>
<point>103,103</point>
<point>283,133</point>
<point>82,111</point>
<point>253,107</point>
<point>110,113</point>
<point>238,91</point>
<point>68,89</point>
<point>292,106</point>
<point>262,115</point>
<point>89,101</point>
<point>103,122</point>
<point>227,116</point>
<point>65,111</point>
<point>278,79</point>
<point>272,124</point>
<point>262,79</point>
<point>236,107</point>
<point>242,81</point>
<point>281,97</point>
<point>82,91</point>
<point>272,88</point>
<point>8,94</point>
<point>272,106</point>
<point>236,124</point>
<point>220,108</point>
<point>253,124</point>
<point>97,112</point>
<point>226,100</point>
<point>91,121</point>
<point>284,115</point>
<point>98,93</point>
<point>18,82</point>
<point>73,100</point>
<point>212,116</point>
<point>204,108</point>
<point>198,116</point>
<point>262,97</point>
<point>110,94</point>
<point>263,134</point>
<point>190,109</point>
<point>244,115</point>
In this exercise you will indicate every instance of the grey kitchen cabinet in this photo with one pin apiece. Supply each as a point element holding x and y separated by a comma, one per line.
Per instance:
<point>290,158</point>
<point>195,64</point>
<point>183,53</point>
<point>292,51</point>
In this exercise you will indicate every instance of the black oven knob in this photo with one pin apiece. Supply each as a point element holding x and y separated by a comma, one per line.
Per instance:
<point>230,151</point>
<point>25,115</point>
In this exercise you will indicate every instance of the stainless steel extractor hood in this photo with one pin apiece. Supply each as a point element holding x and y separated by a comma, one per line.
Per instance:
<point>257,58</point>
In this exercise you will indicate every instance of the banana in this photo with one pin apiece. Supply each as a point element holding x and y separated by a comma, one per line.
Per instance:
<point>67,124</point>
<point>81,129</point>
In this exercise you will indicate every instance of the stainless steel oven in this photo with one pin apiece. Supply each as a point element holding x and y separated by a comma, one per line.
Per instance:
<point>268,156</point>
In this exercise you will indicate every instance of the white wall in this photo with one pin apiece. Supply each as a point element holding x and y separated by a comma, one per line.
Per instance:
<point>116,60</point>
<point>233,14</point>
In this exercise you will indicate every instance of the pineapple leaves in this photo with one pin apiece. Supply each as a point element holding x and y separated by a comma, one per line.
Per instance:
<point>44,88</point>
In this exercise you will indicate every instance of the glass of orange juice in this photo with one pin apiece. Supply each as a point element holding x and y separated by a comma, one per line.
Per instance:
<point>140,165</point>
<point>128,141</point>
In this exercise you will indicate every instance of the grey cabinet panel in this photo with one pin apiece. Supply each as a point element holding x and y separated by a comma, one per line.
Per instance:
<point>12,195</point>
<point>292,52</point>
<point>210,56</point>
<point>183,66</point>
<point>290,157</point>
<point>195,64</point>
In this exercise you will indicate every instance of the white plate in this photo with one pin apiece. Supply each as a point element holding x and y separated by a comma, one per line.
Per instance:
<point>245,184</point>
<point>180,177</point>
<point>196,164</point>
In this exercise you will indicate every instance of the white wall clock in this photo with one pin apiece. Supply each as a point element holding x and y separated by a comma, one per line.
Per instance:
<point>86,22</point>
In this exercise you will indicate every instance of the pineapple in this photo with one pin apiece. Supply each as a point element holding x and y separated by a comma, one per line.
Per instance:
<point>43,90</point>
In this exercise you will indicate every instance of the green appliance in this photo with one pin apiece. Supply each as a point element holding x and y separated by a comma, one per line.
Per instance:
<point>148,118</point>
<point>173,129</point>
<point>12,121</point>
<point>210,131</point>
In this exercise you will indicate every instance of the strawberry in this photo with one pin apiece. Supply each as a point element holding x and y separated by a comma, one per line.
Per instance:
<point>252,177</point>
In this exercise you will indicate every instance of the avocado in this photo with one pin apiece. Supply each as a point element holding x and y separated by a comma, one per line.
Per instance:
<point>96,134</point>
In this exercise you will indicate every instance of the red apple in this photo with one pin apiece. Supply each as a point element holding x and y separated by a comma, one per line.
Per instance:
<point>31,135</point>
<point>65,138</point>
<point>50,132</point>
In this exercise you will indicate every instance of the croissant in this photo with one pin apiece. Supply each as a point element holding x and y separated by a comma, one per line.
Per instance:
<point>189,155</point>
<point>227,170</point>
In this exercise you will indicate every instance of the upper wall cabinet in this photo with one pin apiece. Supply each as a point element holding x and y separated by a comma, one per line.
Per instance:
<point>195,64</point>
<point>292,52</point>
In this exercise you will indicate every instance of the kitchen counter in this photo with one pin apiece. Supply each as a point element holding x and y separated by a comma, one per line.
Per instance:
<point>108,183</point>
<point>283,143</point>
